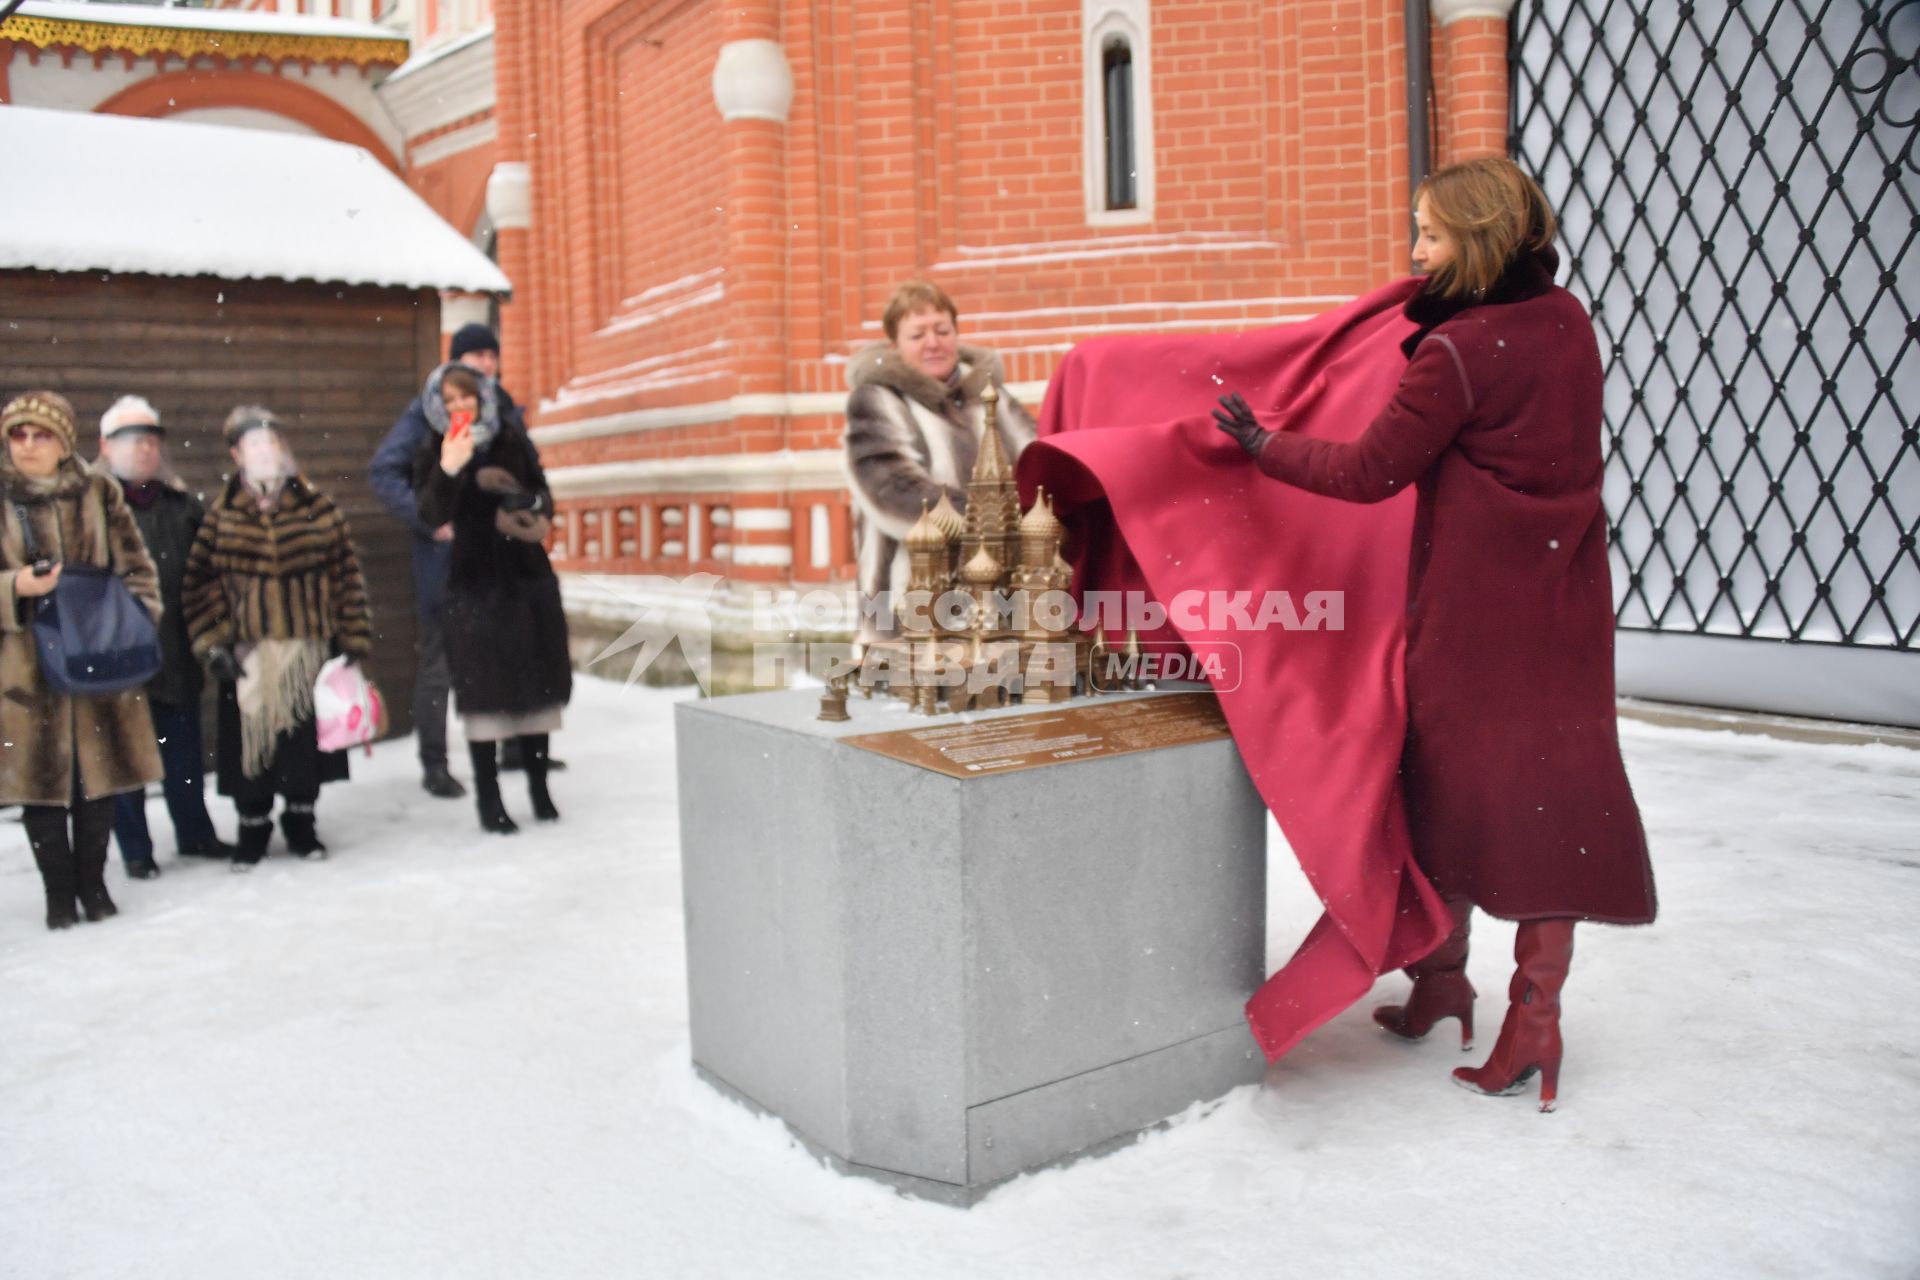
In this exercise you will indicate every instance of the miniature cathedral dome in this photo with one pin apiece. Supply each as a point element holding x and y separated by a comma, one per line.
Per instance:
<point>948,517</point>
<point>926,534</point>
<point>1040,523</point>
<point>981,571</point>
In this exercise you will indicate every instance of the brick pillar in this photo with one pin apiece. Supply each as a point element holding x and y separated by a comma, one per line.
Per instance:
<point>753,87</point>
<point>509,204</point>
<point>1470,66</point>
<point>510,194</point>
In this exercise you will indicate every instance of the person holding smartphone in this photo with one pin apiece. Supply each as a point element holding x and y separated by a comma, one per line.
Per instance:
<point>505,628</point>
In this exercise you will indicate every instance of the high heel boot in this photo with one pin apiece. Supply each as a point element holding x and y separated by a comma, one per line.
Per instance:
<point>1440,986</point>
<point>1530,1036</point>
<point>533,758</point>
<point>486,790</point>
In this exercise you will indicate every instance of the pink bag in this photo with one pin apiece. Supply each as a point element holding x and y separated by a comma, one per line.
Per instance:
<point>347,707</point>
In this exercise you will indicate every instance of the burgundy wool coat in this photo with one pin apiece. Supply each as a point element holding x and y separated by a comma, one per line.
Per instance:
<point>1516,795</point>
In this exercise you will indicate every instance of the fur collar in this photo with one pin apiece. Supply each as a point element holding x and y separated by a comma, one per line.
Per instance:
<point>72,477</point>
<point>237,497</point>
<point>882,365</point>
<point>1524,279</point>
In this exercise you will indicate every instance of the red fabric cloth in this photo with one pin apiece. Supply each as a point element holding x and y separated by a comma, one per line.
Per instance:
<point>1319,715</point>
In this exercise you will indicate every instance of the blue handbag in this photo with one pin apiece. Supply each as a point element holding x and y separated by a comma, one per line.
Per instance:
<point>92,636</point>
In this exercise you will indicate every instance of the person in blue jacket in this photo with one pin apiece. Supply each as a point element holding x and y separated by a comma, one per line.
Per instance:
<point>391,474</point>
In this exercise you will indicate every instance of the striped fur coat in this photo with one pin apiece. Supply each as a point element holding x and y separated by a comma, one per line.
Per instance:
<point>285,574</point>
<point>910,439</point>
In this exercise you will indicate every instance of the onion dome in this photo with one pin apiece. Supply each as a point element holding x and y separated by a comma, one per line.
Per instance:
<point>948,517</point>
<point>981,571</point>
<point>926,534</point>
<point>1040,522</point>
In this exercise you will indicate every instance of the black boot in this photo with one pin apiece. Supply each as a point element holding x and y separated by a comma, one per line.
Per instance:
<point>256,831</point>
<point>486,791</point>
<point>533,756</point>
<point>440,784</point>
<point>92,828</point>
<point>298,826</point>
<point>211,847</point>
<point>53,854</point>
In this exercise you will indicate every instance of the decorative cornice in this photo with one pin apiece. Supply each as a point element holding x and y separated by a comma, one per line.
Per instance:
<point>185,42</point>
<point>781,472</point>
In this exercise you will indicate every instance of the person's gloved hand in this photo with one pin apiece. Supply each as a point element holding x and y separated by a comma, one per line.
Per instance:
<point>222,665</point>
<point>1236,419</point>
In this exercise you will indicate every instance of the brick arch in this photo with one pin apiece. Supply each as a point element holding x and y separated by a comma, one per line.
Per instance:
<point>176,91</point>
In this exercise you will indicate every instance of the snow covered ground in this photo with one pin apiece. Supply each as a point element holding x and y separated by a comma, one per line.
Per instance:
<point>446,1055</point>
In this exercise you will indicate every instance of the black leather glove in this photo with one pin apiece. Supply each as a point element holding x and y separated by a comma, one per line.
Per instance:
<point>1236,419</point>
<point>519,500</point>
<point>222,665</point>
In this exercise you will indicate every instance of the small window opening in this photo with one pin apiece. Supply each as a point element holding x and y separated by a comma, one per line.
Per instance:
<point>1117,76</point>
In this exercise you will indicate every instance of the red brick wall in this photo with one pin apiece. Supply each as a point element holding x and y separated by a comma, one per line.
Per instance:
<point>927,137</point>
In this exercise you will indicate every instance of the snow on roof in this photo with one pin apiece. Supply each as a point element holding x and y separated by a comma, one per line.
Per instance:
<point>439,52</point>
<point>139,15</point>
<point>220,201</point>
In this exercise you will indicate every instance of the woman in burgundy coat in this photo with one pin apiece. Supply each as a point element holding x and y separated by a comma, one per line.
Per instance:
<point>1517,800</point>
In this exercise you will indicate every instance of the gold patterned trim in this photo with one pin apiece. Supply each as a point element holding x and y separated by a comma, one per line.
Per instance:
<point>185,42</point>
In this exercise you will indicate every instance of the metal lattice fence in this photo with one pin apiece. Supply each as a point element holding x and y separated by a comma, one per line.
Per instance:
<point>1738,187</point>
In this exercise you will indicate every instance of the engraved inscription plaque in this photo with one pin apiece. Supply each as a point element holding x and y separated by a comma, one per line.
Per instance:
<point>1087,731</point>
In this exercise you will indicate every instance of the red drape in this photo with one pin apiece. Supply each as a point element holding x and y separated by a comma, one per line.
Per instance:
<point>1127,446</point>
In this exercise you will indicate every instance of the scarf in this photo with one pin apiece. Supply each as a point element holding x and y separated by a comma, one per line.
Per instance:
<point>275,694</point>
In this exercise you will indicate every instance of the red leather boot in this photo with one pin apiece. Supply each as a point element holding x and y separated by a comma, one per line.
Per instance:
<point>1530,1036</point>
<point>1440,986</point>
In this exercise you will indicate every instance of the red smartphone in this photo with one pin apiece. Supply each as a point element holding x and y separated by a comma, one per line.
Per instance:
<point>459,424</point>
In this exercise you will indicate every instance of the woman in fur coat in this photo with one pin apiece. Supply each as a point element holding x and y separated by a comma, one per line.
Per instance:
<point>913,431</point>
<point>1517,800</point>
<point>65,758</point>
<point>272,589</point>
<point>505,627</point>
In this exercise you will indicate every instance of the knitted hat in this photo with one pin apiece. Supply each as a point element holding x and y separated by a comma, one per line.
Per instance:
<point>48,410</point>
<point>472,337</point>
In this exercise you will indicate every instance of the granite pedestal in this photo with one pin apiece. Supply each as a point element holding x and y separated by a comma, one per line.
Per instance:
<point>942,982</point>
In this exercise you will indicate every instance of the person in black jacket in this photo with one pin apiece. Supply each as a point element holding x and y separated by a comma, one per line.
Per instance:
<point>133,451</point>
<point>391,475</point>
<point>506,632</point>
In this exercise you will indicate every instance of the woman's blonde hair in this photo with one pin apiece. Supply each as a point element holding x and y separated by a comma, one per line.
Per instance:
<point>909,298</point>
<point>1494,213</point>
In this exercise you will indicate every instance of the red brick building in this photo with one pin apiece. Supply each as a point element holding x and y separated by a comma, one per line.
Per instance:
<point>704,206</point>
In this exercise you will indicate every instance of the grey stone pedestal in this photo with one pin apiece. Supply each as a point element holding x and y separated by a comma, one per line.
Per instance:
<point>941,982</point>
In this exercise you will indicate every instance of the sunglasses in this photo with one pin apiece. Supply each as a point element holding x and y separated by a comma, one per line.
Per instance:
<point>31,435</point>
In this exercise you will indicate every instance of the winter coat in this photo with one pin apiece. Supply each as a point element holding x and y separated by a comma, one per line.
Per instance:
<point>168,524</point>
<point>501,615</point>
<point>285,574</point>
<point>911,439</point>
<point>391,476</point>
<point>84,520</point>
<point>1516,795</point>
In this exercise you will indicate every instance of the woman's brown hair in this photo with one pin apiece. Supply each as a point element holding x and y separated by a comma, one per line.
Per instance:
<point>1495,215</point>
<point>461,379</point>
<point>909,298</point>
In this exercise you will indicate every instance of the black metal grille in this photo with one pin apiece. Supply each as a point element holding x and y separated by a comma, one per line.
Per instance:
<point>1737,184</point>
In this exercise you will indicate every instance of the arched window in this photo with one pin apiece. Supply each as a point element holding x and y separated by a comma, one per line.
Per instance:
<point>1119,112</point>
<point>1116,77</point>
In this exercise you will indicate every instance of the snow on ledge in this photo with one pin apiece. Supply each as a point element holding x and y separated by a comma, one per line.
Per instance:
<point>219,201</point>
